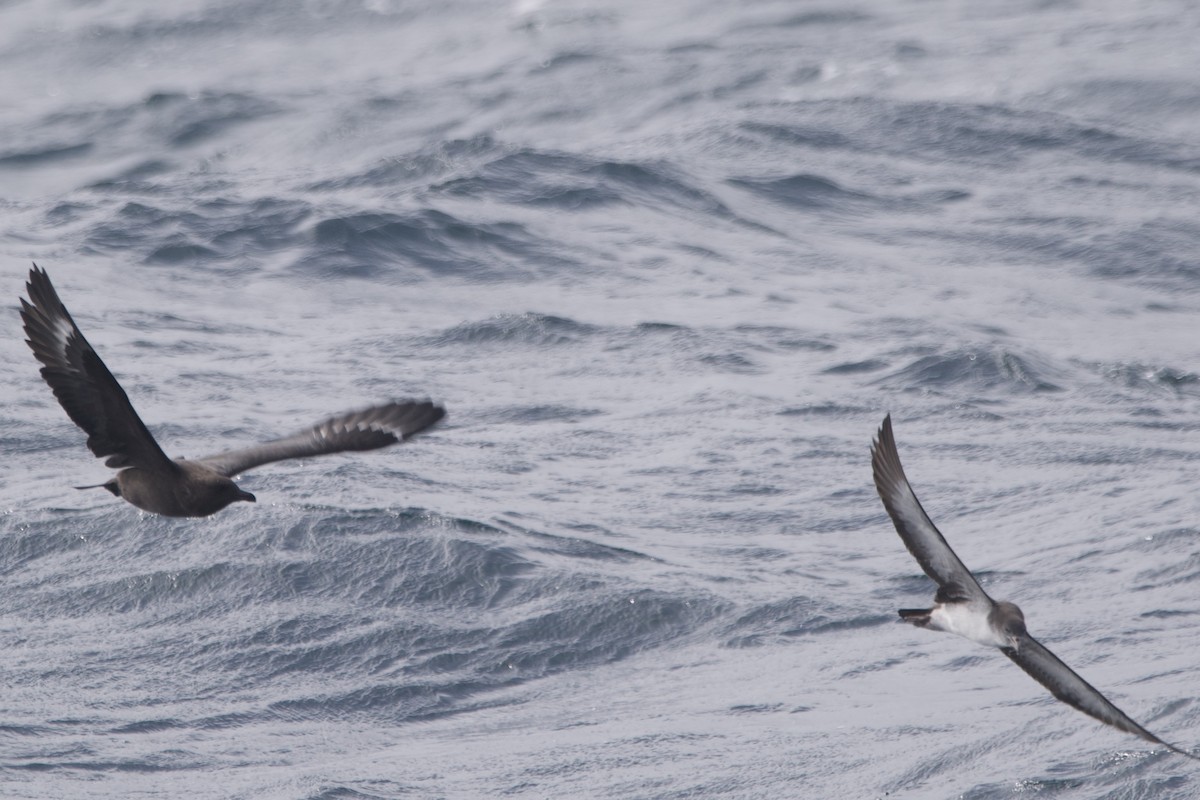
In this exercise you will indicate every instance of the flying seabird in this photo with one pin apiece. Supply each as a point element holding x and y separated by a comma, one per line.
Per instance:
<point>149,479</point>
<point>961,606</point>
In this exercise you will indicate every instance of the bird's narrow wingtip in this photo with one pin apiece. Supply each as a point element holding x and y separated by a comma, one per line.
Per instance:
<point>1179,750</point>
<point>884,432</point>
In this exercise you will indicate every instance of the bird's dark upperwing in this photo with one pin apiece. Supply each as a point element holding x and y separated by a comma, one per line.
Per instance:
<point>920,535</point>
<point>1048,670</point>
<point>368,429</point>
<point>83,385</point>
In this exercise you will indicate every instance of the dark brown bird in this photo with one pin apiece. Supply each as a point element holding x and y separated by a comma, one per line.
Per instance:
<point>148,478</point>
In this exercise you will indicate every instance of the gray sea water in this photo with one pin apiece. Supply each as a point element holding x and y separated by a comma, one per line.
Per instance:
<point>667,265</point>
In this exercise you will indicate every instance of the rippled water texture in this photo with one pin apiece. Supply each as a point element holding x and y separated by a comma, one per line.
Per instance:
<point>667,265</point>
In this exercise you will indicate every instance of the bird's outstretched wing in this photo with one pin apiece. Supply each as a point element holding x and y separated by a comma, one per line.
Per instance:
<point>1049,670</point>
<point>368,429</point>
<point>83,385</point>
<point>920,535</point>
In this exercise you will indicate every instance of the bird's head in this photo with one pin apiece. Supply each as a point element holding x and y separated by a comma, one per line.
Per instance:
<point>232,493</point>
<point>1011,621</point>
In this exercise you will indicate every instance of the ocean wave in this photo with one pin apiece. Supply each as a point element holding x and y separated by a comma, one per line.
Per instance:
<point>986,368</point>
<point>426,243</point>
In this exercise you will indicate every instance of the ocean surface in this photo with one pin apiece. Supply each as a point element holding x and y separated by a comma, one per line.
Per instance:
<point>667,265</point>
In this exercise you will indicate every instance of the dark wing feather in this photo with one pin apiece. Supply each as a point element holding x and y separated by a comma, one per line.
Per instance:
<point>1048,670</point>
<point>920,535</point>
<point>368,429</point>
<point>83,385</point>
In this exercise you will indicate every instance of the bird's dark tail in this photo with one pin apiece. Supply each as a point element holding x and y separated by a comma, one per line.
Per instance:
<point>917,616</point>
<point>111,485</point>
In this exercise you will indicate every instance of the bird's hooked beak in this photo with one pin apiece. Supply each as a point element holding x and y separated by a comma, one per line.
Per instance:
<point>244,495</point>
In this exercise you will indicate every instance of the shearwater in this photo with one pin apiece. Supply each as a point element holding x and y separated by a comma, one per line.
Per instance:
<point>961,606</point>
